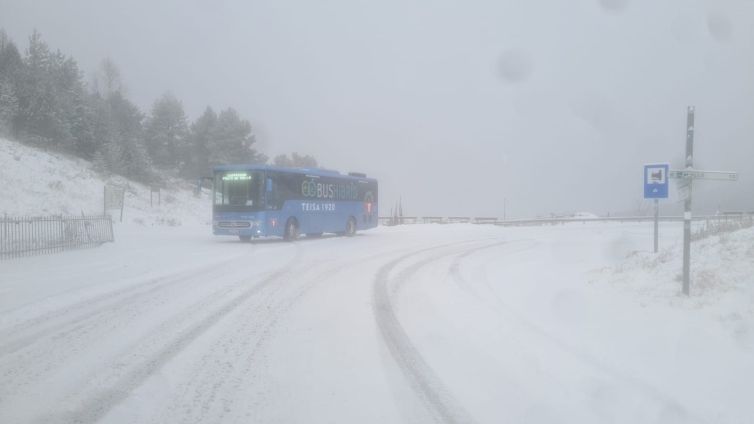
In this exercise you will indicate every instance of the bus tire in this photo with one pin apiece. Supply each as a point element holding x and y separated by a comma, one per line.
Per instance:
<point>350,227</point>
<point>245,239</point>
<point>291,230</point>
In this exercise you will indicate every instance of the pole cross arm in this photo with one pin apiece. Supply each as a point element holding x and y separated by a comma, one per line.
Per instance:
<point>698,174</point>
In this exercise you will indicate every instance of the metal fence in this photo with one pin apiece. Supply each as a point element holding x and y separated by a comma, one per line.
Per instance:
<point>720,226</point>
<point>26,236</point>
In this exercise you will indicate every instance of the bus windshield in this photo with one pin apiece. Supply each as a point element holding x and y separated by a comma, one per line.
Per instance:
<point>238,190</point>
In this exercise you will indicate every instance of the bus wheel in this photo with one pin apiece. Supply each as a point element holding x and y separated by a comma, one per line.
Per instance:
<point>291,230</point>
<point>351,227</point>
<point>244,238</point>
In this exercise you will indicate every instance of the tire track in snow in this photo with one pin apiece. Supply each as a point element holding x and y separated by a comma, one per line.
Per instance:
<point>30,331</point>
<point>455,267</point>
<point>501,307</point>
<point>130,370</point>
<point>423,380</point>
<point>202,398</point>
<point>27,364</point>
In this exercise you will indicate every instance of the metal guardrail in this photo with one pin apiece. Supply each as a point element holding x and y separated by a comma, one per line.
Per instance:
<point>554,221</point>
<point>26,236</point>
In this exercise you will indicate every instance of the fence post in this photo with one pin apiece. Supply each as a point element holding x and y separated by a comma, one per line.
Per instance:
<point>122,203</point>
<point>62,234</point>
<point>112,233</point>
<point>32,231</point>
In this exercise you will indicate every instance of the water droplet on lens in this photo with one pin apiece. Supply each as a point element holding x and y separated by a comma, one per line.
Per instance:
<point>613,5</point>
<point>719,26</point>
<point>514,66</point>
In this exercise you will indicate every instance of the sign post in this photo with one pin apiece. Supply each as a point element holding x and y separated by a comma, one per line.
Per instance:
<point>687,202</point>
<point>656,187</point>
<point>657,224</point>
<point>686,179</point>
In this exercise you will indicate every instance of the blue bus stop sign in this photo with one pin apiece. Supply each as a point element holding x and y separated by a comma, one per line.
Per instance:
<point>656,181</point>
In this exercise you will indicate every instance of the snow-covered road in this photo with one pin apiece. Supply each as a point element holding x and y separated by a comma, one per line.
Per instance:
<point>456,323</point>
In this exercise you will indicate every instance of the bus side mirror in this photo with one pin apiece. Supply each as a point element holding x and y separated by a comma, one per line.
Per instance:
<point>269,185</point>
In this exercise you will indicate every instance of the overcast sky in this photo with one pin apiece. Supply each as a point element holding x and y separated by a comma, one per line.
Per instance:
<point>553,105</point>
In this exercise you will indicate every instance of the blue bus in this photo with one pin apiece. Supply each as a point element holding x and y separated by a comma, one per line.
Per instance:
<point>263,200</point>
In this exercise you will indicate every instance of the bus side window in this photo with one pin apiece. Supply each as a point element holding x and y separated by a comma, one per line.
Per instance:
<point>275,192</point>
<point>270,194</point>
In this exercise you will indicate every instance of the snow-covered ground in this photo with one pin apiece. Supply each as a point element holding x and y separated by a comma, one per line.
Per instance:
<point>418,323</point>
<point>424,323</point>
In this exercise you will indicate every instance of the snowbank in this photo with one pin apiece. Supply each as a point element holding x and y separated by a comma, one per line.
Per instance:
<point>722,280</point>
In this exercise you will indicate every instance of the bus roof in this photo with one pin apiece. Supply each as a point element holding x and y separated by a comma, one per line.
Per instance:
<point>307,171</point>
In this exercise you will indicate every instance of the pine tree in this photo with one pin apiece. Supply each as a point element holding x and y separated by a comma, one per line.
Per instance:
<point>8,106</point>
<point>83,121</point>
<point>10,58</point>
<point>232,141</point>
<point>200,139</point>
<point>51,100</point>
<point>11,66</point>
<point>74,117</point>
<point>118,128</point>
<point>35,121</point>
<point>166,133</point>
<point>128,154</point>
<point>107,80</point>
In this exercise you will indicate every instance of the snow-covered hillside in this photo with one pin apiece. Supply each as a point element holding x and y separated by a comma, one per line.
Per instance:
<point>35,182</point>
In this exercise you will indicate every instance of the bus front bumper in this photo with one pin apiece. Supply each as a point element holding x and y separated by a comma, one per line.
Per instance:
<point>235,227</point>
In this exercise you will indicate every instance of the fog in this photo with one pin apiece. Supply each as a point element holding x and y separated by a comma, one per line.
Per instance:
<point>457,108</point>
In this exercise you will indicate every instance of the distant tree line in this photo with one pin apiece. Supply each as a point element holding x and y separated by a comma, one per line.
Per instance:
<point>45,102</point>
<point>295,161</point>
